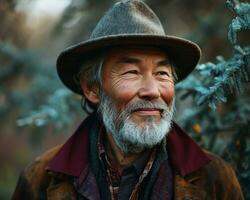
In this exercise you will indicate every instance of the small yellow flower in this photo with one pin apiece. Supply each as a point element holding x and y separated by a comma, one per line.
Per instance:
<point>196,128</point>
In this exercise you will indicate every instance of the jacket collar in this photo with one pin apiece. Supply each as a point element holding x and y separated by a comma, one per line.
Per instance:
<point>72,158</point>
<point>185,155</point>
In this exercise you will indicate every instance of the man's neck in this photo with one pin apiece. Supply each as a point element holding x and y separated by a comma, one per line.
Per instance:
<point>116,155</point>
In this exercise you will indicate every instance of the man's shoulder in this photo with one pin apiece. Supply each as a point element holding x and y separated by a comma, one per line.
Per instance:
<point>221,174</point>
<point>34,179</point>
<point>217,167</point>
<point>40,163</point>
<point>214,180</point>
<point>217,163</point>
<point>35,172</point>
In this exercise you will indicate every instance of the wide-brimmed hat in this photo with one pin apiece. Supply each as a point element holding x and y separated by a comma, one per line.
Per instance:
<point>129,22</point>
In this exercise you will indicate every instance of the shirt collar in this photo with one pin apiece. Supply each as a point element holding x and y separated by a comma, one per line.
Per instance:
<point>72,157</point>
<point>141,162</point>
<point>185,155</point>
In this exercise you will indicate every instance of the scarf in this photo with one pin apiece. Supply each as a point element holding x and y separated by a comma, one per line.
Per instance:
<point>158,183</point>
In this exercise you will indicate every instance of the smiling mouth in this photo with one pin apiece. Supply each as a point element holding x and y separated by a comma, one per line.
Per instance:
<point>148,111</point>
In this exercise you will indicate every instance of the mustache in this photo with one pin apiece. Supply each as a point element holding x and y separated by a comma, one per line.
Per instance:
<point>143,104</point>
<point>146,104</point>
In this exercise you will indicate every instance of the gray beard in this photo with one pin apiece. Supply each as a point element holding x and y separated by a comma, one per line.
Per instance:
<point>129,136</point>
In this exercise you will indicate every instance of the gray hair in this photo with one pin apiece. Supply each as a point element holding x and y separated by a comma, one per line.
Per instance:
<point>91,71</point>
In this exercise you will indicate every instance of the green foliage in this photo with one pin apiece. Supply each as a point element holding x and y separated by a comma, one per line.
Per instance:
<point>241,22</point>
<point>223,85</point>
<point>15,63</point>
<point>211,82</point>
<point>59,106</point>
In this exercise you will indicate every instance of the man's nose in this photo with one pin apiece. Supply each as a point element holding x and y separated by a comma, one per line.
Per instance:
<point>149,89</point>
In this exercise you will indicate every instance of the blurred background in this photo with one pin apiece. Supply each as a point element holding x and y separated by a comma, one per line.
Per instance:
<point>38,112</point>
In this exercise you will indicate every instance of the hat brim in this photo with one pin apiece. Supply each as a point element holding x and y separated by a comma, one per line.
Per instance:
<point>184,53</point>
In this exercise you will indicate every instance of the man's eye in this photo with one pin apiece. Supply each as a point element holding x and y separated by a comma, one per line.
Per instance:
<point>162,73</point>
<point>131,72</point>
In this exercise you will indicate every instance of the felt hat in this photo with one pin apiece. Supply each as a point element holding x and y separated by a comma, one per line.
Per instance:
<point>128,22</point>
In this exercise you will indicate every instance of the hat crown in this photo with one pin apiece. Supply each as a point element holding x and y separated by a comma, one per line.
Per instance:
<point>128,17</point>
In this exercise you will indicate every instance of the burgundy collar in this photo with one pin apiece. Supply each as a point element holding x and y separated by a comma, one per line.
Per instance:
<point>185,155</point>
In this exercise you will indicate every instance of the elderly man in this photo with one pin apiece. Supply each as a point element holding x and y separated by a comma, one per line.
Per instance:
<point>129,147</point>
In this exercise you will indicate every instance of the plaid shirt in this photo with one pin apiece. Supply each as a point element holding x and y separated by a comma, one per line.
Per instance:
<point>114,175</point>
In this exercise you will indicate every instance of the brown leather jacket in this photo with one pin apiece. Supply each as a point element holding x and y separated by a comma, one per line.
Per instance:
<point>209,179</point>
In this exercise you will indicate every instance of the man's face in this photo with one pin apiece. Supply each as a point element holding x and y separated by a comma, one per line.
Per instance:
<point>137,97</point>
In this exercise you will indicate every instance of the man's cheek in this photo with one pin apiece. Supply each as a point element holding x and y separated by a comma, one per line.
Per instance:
<point>124,93</point>
<point>168,95</point>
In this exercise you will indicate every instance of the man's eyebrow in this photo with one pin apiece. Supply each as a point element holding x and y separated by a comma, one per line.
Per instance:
<point>126,59</point>
<point>163,62</point>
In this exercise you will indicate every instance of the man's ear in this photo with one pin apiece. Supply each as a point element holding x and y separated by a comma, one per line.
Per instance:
<point>90,92</point>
